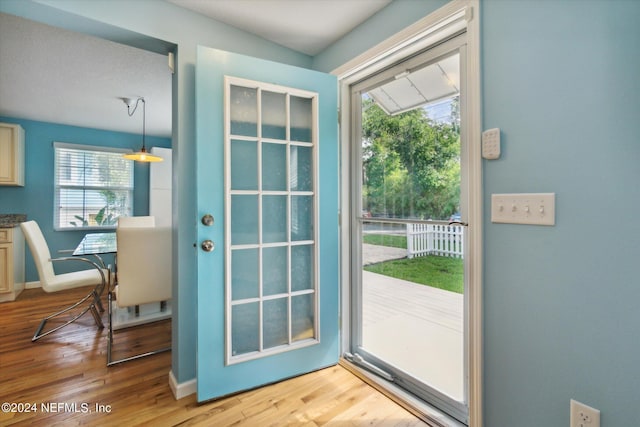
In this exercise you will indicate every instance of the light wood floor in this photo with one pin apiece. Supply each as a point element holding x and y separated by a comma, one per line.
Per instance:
<point>67,372</point>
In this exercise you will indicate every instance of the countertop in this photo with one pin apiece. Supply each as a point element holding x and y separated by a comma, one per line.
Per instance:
<point>11,220</point>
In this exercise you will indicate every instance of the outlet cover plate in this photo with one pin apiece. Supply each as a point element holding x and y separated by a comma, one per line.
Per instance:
<point>524,208</point>
<point>583,415</point>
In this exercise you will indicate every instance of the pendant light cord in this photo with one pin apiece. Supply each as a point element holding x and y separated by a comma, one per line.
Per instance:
<point>131,112</point>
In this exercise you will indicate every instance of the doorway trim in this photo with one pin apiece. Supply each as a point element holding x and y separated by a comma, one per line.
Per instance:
<point>456,16</point>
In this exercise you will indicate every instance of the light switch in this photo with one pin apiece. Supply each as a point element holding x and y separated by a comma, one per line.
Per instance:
<point>524,208</point>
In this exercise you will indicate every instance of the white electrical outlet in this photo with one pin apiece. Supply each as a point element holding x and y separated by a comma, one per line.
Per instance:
<point>526,208</point>
<point>583,415</point>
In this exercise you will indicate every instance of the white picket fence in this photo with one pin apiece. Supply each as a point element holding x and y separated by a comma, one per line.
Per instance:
<point>435,239</point>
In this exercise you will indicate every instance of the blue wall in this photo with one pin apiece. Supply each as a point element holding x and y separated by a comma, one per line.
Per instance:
<point>35,199</point>
<point>560,78</point>
<point>384,24</point>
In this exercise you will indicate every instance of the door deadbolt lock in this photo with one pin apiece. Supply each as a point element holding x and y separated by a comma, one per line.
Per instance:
<point>208,246</point>
<point>207,220</point>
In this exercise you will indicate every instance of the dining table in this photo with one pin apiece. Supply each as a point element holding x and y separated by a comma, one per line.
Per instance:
<point>104,243</point>
<point>97,244</point>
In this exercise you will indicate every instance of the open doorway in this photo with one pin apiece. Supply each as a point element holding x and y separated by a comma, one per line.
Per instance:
<point>414,176</point>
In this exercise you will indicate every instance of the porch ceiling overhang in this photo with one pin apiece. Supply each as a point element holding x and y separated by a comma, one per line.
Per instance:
<point>413,89</point>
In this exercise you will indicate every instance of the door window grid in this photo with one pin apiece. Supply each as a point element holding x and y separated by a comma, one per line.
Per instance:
<point>259,321</point>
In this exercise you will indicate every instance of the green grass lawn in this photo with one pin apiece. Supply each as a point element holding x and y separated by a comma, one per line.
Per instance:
<point>437,271</point>
<point>391,240</point>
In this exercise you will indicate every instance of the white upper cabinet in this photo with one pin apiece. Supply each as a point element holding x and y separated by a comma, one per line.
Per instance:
<point>11,154</point>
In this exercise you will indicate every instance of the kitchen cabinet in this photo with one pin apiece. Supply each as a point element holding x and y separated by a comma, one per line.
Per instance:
<point>11,154</point>
<point>11,263</point>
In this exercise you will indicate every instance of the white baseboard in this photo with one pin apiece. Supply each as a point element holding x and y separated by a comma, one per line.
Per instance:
<point>32,285</point>
<point>183,389</point>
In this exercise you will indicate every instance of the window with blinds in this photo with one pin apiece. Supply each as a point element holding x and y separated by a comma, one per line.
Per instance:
<point>93,186</point>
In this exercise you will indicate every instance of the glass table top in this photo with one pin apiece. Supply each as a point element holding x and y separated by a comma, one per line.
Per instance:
<point>97,243</point>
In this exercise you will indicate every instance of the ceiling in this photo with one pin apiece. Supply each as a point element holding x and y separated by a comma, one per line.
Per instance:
<point>424,86</point>
<point>307,26</point>
<point>45,79</point>
<point>59,76</point>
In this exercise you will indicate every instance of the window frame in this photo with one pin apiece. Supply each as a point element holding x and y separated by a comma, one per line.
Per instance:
<point>57,187</point>
<point>428,31</point>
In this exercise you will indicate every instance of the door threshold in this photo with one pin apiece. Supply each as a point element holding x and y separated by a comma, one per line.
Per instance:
<point>411,403</point>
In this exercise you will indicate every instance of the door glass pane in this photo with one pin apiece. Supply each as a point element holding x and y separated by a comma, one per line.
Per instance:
<point>244,165</point>
<point>245,327</point>
<point>412,268</point>
<point>244,219</point>
<point>302,267</point>
<point>274,116</point>
<point>301,218</point>
<point>243,106</point>
<point>245,275</point>
<point>274,219</point>
<point>274,167</point>
<point>302,313</point>
<point>271,222</point>
<point>276,323</point>
<point>301,119</point>
<point>300,168</point>
<point>275,270</point>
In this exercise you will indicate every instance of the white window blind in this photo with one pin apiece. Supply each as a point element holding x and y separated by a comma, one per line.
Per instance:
<point>93,186</point>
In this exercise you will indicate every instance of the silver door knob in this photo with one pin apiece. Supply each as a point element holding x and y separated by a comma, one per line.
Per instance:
<point>207,220</point>
<point>208,246</point>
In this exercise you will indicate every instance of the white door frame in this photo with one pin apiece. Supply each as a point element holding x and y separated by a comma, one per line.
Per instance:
<point>450,19</point>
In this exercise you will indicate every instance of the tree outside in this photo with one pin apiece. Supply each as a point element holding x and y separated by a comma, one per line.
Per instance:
<point>411,163</point>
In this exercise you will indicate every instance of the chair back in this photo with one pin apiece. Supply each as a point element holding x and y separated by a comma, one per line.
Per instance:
<point>144,265</point>
<point>40,251</point>
<point>136,221</point>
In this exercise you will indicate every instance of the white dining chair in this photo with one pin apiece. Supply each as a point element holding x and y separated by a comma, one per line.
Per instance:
<point>136,221</point>
<point>97,277</point>
<point>144,275</point>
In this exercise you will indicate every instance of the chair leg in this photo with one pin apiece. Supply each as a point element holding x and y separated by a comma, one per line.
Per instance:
<point>100,289</point>
<point>110,361</point>
<point>110,334</point>
<point>98,302</point>
<point>92,307</point>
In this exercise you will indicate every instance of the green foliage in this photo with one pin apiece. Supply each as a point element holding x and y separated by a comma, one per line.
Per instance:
<point>107,215</point>
<point>411,164</point>
<point>102,219</point>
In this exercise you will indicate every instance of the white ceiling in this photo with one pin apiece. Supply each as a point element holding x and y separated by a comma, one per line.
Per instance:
<point>54,75</point>
<point>307,26</point>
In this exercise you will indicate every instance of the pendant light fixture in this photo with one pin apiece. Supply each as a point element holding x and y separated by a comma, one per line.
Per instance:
<point>143,155</point>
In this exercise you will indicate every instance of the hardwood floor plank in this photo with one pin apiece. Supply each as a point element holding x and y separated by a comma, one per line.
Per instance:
<point>69,368</point>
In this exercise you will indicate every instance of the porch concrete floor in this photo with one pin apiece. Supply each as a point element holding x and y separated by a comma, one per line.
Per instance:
<point>416,328</point>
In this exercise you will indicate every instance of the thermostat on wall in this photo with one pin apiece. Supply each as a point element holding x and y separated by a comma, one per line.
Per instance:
<point>491,144</point>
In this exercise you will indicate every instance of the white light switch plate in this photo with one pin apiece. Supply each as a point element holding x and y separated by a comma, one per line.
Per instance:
<point>525,208</point>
